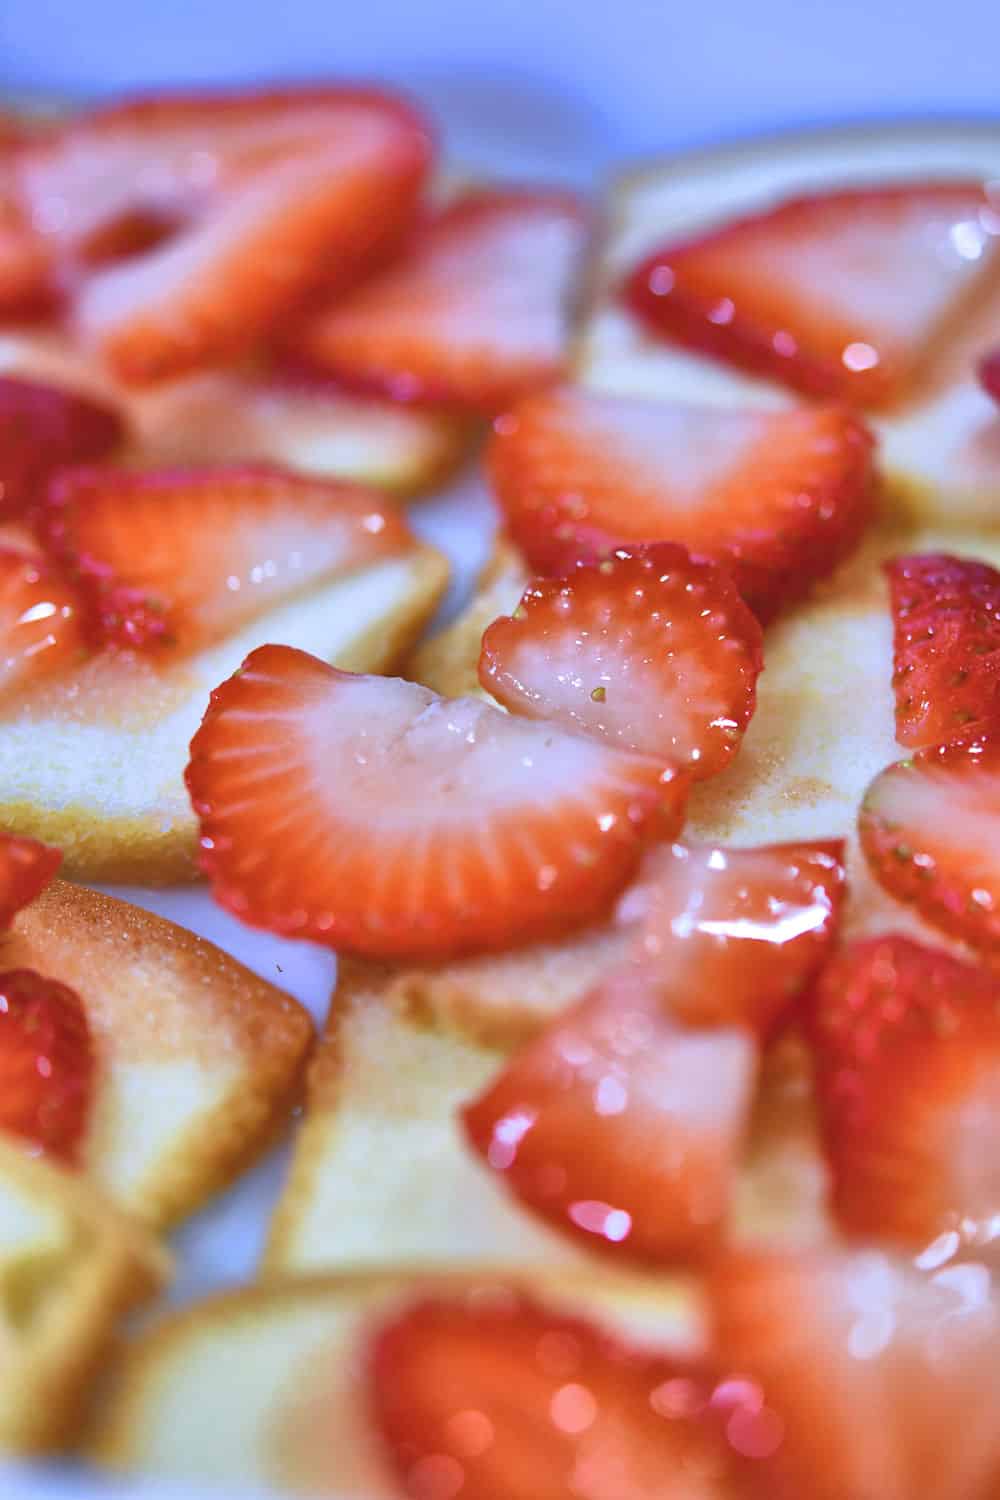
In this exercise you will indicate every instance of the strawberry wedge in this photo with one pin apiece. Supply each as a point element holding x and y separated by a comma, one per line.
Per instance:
<point>189,555</point>
<point>194,223</point>
<point>26,868</point>
<point>930,829</point>
<point>779,497</point>
<point>372,815</point>
<point>647,651</point>
<point>989,374</point>
<point>46,1064</point>
<point>841,294</point>
<point>906,1044</point>
<point>42,429</point>
<point>475,315</point>
<point>40,621</point>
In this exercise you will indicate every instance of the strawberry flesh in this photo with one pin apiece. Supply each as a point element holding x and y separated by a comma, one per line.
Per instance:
<point>43,429</point>
<point>989,374</point>
<point>40,621</point>
<point>26,868</point>
<point>46,1063</point>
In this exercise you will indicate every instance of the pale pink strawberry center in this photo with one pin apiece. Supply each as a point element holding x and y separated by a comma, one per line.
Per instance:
<point>949,819</point>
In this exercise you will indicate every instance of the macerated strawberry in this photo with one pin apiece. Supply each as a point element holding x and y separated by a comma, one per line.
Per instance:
<point>26,868</point>
<point>475,315</point>
<point>187,555</point>
<point>930,829</point>
<point>906,1043</point>
<point>26,283</point>
<point>779,497</point>
<point>882,1379</point>
<point>40,625</point>
<point>245,203</point>
<point>46,1063</point>
<point>370,814</point>
<point>946,651</point>
<point>989,374</point>
<point>647,651</point>
<point>42,429</point>
<point>499,1398</point>
<point>837,294</point>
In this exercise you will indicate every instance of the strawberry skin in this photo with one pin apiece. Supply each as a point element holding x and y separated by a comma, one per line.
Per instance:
<point>646,651</point>
<point>46,1063</point>
<point>369,814</point>
<point>930,830</point>
<point>989,374</point>
<point>946,649</point>
<point>40,627</point>
<point>841,294</point>
<point>26,868</point>
<point>778,497</point>
<point>43,429</point>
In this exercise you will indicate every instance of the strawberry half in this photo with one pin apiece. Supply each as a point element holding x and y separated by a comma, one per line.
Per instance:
<point>779,497</point>
<point>840,294</point>
<point>46,1063</point>
<point>42,429</point>
<point>230,208</point>
<point>647,651</point>
<point>930,829</point>
<point>372,815</point>
<point>946,648</point>
<point>26,868</point>
<point>907,1053</point>
<point>475,315</point>
<point>188,555</point>
<point>989,374</point>
<point>882,1379</point>
<point>40,629</point>
<point>495,1397</point>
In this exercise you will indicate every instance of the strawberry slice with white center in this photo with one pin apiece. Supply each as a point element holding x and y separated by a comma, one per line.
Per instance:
<point>476,314</point>
<point>989,374</point>
<point>42,429</point>
<point>189,555</point>
<point>907,1053</point>
<point>883,1378</point>
<point>648,651</point>
<point>40,622</point>
<point>779,497</point>
<point>26,868</point>
<point>503,1398</point>
<point>930,829</point>
<point>372,815</point>
<point>230,209</point>
<point>946,648</point>
<point>841,294</point>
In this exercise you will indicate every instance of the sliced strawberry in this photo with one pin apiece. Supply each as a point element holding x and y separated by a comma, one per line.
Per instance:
<point>840,294</point>
<point>477,313</point>
<point>246,202</point>
<point>189,555</point>
<point>930,828</point>
<point>26,868</point>
<point>46,1063</point>
<point>499,1398</point>
<point>370,814</point>
<point>40,629</point>
<point>42,429</point>
<point>648,651</point>
<point>781,497</point>
<point>989,374</point>
<point>946,623</point>
<point>882,1378</point>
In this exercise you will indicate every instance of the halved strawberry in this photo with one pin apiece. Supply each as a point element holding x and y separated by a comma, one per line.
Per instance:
<point>40,628</point>
<point>780,497</point>
<point>882,1378</point>
<point>647,651</point>
<point>246,202</point>
<point>370,814</point>
<point>496,1397</point>
<point>907,1054</point>
<point>42,429</point>
<point>946,649</point>
<point>838,294</point>
<point>476,314</point>
<point>190,554</point>
<point>989,374</point>
<point>46,1063</point>
<point>26,868</point>
<point>930,829</point>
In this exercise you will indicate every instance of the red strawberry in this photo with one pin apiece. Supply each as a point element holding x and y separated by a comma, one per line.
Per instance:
<point>247,201</point>
<point>191,554</point>
<point>930,828</point>
<point>495,1397</point>
<point>883,1379</point>
<point>476,314</point>
<point>946,621</point>
<point>370,814</point>
<point>46,1063</point>
<point>781,497</point>
<point>26,868</point>
<point>40,628</point>
<point>43,429</point>
<point>647,651</point>
<point>989,374</point>
<point>907,1049</point>
<point>840,294</point>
